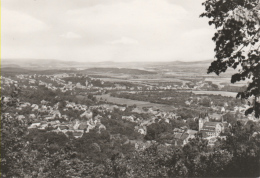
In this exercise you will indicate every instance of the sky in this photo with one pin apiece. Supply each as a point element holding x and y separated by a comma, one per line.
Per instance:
<point>105,30</point>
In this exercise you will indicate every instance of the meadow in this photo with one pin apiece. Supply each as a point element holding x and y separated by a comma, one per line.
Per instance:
<point>222,93</point>
<point>139,104</point>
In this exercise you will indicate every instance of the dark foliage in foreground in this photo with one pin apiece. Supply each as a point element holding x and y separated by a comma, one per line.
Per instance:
<point>237,44</point>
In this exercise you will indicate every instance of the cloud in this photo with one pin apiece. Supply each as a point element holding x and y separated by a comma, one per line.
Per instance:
<point>71,35</point>
<point>124,41</point>
<point>199,41</point>
<point>155,22</point>
<point>136,15</point>
<point>17,22</point>
<point>119,30</point>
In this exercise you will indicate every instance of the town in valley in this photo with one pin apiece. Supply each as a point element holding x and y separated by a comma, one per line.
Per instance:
<point>130,88</point>
<point>75,102</point>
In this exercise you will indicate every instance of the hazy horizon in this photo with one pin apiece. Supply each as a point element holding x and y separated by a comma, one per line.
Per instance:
<point>101,30</point>
<point>104,61</point>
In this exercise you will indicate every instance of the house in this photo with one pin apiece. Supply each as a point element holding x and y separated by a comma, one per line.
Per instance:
<point>97,121</point>
<point>55,113</point>
<point>65,117</point>
<point>129,118</point>
<point>98,117</point>
<point>101,127</point>
<point>77,134</point>
<point>255,134</point>
<point>43,126</point>
<point>23,105</point>
<point>76,125</point>
<point>121,108</point>
<point>213,140</point>
<point>44,102</point>
<point>84,127</point>
<point>141,129</point>
<point>53,123</point>
<point>216,116</point>
<point>91,125</point>
<point>69,105</point>
<point>177,130</point>
<point>140,145</point>
<point>188,102</point>
<point>43,108</point>
<point>115,136</point>
<point>32,116</point>
<point>48,117</point>
<point>20,117</point>
<point>34,125</point>
<point>87,114</point>
<point>137,110</point>
<point>209,129</point>
<point>184,138</point>
<point>177,138</point>
<point>182,135</point>
<point>6,99</point>
<point>34,107</point>
<point>63,128</point>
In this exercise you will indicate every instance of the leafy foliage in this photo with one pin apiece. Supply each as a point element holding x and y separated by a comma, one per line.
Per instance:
<point>237,43</point>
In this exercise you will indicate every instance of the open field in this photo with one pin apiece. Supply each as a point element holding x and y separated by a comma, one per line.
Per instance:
<point>222,93</point>
<point>225,80</point>
<point>159,80</point>
<point>139,104</point>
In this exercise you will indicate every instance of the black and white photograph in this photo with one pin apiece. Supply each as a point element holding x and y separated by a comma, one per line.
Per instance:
<point>130,88</point>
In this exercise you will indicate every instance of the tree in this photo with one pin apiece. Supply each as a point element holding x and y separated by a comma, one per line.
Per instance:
<point>12,145</point>
<point>237,44</point>
<point>244,146</point>
<point>230,118</point>
<point>39,153</point>
<point>193,124</point>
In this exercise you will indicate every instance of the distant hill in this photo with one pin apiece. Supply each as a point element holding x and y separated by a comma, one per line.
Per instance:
<point>9,65</point>
<point>45,64</point>
<point>49,66</point>
<point>40,64</point>
<point>12,71</point>
<point>118,71</point>
<point>205,62</point>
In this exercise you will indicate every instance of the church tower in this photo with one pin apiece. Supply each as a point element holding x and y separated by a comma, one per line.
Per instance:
<point>206,118</point>
<point>202,119</point>
<point>200,123</point>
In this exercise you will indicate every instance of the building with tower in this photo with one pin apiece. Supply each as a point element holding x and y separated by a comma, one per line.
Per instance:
<point>210,129</point>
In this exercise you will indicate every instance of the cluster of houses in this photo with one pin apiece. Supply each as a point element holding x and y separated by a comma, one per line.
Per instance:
<point>56,82</point>
<point>7,81</point>
<point>52,82</point>
<point>46,117</point>
<point>76,128</point>
<point>239,110</point>
<point>57,78</point>
<point>182,135</point>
